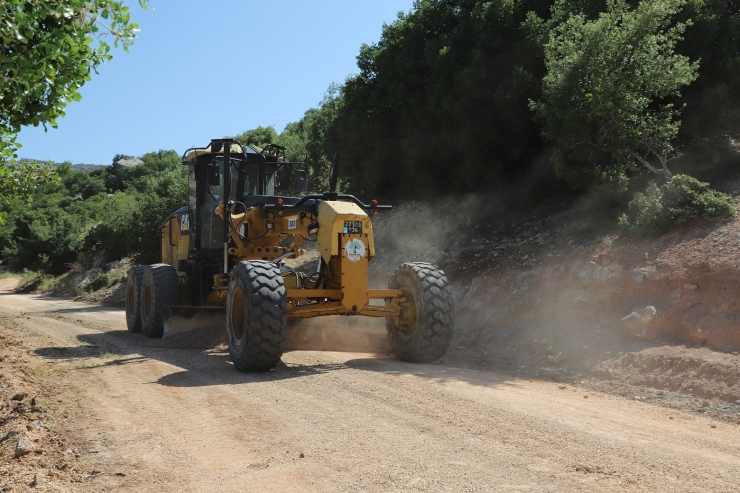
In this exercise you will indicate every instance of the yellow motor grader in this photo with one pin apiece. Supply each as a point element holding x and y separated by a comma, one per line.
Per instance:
<point>223,263</point>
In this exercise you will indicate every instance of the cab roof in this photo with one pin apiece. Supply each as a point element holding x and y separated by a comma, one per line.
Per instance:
<point>192,154</point>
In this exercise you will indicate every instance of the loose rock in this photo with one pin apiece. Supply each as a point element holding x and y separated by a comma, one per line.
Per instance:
<point>23,447</point>
<point>640,325</point>
<point>34,425</point>
<point>8,436</point>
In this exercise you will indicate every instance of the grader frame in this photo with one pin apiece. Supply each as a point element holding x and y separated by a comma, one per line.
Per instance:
<point>223,255</point>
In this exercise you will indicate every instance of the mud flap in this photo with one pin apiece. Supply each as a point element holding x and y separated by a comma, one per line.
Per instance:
<point>194,326</point>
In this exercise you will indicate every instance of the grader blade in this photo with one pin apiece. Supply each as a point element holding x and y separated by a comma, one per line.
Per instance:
<point>194,326</point>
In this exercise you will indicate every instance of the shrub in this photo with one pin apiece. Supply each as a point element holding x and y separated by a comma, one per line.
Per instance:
<point>683,198</point>
<point>104,280</point>
<point>30,281</point>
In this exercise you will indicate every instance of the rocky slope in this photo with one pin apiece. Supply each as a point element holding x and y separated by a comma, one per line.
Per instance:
<point>552,293</point>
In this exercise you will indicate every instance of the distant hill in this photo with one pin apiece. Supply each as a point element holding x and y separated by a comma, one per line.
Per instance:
<point>78,167</point>
<point>88,167</point>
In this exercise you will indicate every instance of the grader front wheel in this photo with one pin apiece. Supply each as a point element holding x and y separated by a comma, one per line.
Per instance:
<point>256,316</point>
<point>423,331</point>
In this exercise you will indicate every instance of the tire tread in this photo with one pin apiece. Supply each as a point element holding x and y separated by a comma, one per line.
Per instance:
<point>165,292</point>
<point>133,313</point>
<point>435,330</point>
<point>266,318</point>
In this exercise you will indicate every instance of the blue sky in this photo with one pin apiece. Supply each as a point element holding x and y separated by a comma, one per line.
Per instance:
<point>207,69</point>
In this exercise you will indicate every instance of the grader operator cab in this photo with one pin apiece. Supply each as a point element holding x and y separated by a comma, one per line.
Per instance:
<point>223,265</point>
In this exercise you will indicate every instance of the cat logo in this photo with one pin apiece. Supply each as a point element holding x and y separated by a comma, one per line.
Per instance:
<point>184,221</point>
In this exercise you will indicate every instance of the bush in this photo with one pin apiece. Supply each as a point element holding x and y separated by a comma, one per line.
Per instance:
<point>104,280</point>
<point>683,198</point>
<point>30,281</point>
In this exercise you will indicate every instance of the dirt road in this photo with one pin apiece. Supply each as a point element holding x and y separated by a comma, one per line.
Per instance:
<point>159,419</point>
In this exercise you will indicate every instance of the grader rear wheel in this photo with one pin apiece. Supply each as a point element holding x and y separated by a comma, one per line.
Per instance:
<point>159,288</point>
<point>423,331</point>
<point>256,316</point>
<point>133,298</point>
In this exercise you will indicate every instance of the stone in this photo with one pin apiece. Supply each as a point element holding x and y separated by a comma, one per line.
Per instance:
<point>608,272</point>
<point>23,447</point>
<point>99,261</point>
<point>87,277</point>
<point>117,264</point>
<point>34,425</point>
<point>13,433</point>
<point>521,283</point>
<point>649,312</point>
<point>586,271</point>
<point>19,396</point>
<point>127,162</point>
<point>475,286</point>
<point>638,275</point>
<point>641,325</point>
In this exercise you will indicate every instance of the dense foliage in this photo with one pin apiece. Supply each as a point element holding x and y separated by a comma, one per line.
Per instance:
<point>440,102</point>
<point>113,211</point>
<point>456,96</point>
<point>443,102</point>
<point>47,53</point>
<point>604,97</point>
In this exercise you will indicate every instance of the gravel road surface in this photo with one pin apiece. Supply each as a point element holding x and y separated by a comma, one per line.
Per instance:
<point>185,420</point>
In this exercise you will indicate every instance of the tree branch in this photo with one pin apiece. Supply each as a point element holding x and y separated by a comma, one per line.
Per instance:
<point>663,172</point>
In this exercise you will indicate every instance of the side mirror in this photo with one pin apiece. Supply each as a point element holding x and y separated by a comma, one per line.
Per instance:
<point>216,146</point>
<point>301,179</point>
<point>213,178</point>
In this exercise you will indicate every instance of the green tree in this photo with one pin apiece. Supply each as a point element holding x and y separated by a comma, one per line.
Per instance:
<point>313,139</point>
<point>607,94</point>
<point>19,180</point>
<point>440,102</point>
<point>48,51</point>
<point>260,136</point>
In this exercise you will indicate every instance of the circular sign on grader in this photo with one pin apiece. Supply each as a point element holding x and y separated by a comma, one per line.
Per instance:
<point>354,249</point>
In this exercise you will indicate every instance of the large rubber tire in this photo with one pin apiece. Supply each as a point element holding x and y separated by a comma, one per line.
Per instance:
<point>159,288</point>
<point>256,315</point>
<point>427,323</point>
<point>133,298</point>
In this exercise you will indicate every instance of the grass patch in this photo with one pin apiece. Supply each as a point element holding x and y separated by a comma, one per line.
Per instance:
<point>39,374</point>
<point>31,280</point>
<point>110,353</point>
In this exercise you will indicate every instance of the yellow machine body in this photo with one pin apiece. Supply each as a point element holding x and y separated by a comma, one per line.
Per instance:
<point>346,256</point>
<point>224,266</point>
